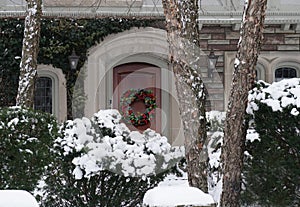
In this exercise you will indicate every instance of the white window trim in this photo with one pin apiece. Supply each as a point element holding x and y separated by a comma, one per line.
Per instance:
<point>59,93</point>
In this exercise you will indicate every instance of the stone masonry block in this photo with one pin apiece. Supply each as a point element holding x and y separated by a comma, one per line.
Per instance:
<point>288,47</point>
<point>291,40</point>
<point>218,42</point>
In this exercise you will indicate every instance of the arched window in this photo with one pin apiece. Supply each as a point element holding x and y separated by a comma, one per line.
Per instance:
<point>43,99</point>
<point>50,91</point>
<point>284,73</point>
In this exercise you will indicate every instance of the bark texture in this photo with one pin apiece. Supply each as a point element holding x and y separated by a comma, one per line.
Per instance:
<point>243,80</point>
<point>183,37</point>
<point>28,65</point>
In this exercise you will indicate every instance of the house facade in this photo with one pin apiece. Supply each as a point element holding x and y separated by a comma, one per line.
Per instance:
<point>138,58</point>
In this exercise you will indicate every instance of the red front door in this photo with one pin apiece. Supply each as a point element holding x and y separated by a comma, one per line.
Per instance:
<point>134,77</point>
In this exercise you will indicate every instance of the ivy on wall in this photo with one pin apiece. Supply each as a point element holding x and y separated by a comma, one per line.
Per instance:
<point>11,36</point>
<point>58,38</point>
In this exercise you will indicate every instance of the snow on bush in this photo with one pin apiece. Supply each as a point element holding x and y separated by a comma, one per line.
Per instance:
<point>283,101</point>
<point>216,120</point>
<point>277,95</point>
<point>107,144</point>
<point>271,170</point>
<point>179,183</point>
<point>215,134</point>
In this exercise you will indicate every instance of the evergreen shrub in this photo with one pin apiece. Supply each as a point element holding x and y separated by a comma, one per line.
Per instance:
<point>26,139</point>
<point>272,168</point>
<point>90,167</point>
<point>215,134</point>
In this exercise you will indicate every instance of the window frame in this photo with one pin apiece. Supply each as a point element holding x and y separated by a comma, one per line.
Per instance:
<point>289,69</point>
<point>286,64</point>
<point>52,92</point>
<point>59,91</point>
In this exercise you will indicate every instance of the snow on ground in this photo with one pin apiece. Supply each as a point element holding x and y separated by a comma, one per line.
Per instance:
<point>17,198</point>
<point>174,191</point>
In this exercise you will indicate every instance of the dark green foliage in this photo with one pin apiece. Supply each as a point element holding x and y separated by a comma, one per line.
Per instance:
<point>11,33</point>
<point>105,189</point>
<point>26,139</point>
<point>59,37</point>
<point>272,175</point>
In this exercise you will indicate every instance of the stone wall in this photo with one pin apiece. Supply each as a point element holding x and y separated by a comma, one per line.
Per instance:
<point>224,38</point>
<point>91,3</point>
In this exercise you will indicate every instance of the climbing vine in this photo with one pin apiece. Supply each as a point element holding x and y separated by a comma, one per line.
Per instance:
<point>58,38</point>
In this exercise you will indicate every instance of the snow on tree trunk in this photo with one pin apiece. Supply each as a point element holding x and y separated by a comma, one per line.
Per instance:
<point>243,80</point>
<point>183,37</point>
<point>28,65</point>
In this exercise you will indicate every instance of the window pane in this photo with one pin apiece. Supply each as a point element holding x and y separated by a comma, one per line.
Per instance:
<point>293,73</point>
<point>43,94</point>
<point>282,73</point>
<point>286,73</point>
<point>278,73</point>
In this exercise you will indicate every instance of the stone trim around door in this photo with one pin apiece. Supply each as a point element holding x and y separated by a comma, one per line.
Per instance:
<point>144,45</point>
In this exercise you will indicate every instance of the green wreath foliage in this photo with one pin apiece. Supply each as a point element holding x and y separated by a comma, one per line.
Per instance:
<point>132,96</point>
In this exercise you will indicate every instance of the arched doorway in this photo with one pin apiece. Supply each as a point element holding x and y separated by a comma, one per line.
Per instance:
<point>129,79</point>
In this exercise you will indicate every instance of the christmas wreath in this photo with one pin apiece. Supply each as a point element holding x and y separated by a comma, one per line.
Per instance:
<point>133,95</point>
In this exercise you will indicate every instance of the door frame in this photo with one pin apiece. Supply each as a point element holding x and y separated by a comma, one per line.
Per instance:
<point>143,68</point>
<point>166,89</point>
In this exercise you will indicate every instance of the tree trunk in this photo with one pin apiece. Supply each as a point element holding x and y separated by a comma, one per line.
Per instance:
<point>183,38</point>
<point>28,66</point>
<point>243,80</point>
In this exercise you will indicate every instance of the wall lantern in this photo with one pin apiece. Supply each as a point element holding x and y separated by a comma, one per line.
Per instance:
<point>73,60</point>
<point>211,61</point>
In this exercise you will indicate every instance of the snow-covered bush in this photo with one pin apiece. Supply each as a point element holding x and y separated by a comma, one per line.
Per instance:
<point>215,134</point>
<point>101,162</point>
<point>272,168</point>
<point>109,145</point>
<point>26,139</point>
